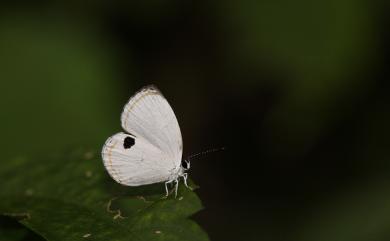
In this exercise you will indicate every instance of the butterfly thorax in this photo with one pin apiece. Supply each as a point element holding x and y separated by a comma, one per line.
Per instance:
<point>176,173</point>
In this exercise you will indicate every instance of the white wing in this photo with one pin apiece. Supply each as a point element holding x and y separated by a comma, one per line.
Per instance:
<point>149,117</point>
<point>133,161</point>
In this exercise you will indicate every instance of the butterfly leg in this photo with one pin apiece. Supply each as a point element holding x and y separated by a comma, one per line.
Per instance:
<point>177,186</point>
<point>185,176</point>
<point>166,187</point>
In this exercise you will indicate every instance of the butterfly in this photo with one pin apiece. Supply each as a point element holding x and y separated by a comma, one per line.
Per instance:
<point>150,150</point>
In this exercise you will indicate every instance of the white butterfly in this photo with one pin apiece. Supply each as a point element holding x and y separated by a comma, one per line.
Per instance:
<point>151,150</point>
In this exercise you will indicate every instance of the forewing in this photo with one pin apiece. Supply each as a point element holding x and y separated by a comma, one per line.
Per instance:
<point>133,161</point>
<point>149,116</point>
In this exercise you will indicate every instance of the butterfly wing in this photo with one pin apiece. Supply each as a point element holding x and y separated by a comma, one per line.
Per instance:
<point>133,161</point>
<point>149,117</point>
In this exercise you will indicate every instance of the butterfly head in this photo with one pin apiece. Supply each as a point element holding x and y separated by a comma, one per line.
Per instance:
<point>187,166</point>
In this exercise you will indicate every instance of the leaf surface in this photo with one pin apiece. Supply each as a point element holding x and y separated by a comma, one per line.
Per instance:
<point>73,198</point>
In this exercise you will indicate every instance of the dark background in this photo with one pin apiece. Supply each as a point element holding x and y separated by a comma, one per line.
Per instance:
<point>297,92</point>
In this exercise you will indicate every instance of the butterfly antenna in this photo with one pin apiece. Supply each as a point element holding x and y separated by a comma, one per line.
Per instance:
<point>197,155</point>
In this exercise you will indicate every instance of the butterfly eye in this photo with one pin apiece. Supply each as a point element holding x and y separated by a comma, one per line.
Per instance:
<point>185,164</point>
<point>128,142</point>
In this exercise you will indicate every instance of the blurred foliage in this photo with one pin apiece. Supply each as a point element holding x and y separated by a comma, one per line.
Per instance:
<point>76,200</point>
<point>316,48</point>
<point>57,85</point>
<point>358,215</point>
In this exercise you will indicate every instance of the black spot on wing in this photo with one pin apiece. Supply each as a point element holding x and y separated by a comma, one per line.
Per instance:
<point>128,142</point>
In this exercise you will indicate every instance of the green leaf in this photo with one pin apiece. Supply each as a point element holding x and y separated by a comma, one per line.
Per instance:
<point>11,230</point>
<point>71,197</point>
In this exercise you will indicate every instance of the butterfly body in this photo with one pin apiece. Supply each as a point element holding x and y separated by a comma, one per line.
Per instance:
<point>150,151</point>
